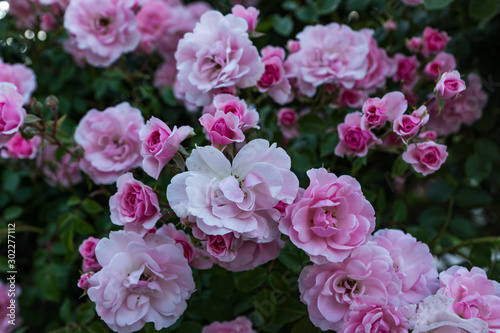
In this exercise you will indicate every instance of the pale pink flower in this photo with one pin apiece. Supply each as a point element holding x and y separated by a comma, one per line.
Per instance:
<point>228,103</point>
<point>83,282</point>
<point>21,76</point>
<point>198,8</point>
<point>434,41</point>
<point>70,46</point>
<point>222,128</point>
<point>220,197</point>
<point>12,112</point>
<point>217,54</point>
<point>105,29</point>
<point>221,247</point>
<point>435,315</point>
<point>376,111</point>
<point>331,219</point>
<point>64,172</point>
<point>181,238</point>
<point>414,44</point>
<point>152,20</point>
<point>165,75</point>
<point>390,25</point>
<point>110,140</point>
<point>450,85</point>
<point>407,126</point>
<point>329,290</point>
<point>87,248</point>
<point>426,157</point>
<point>407,71</point>
<point>287,121</point>
<point>19,148</point>
<point>134,205</point>
<point>139,283</point>
<point>428,135</point>
<point>274,80</point>
<point>180,95</point>
<point>239,325</point>
<point>413,263</point>
<point>354,140</point>
<point>249,14</point>
<point>22,10</point>
<point>9,311</point>
<point>159,144</point>
<point>352,98</point>
<point>473,294</point>
<point>444,62</point>
<point>293,46</point>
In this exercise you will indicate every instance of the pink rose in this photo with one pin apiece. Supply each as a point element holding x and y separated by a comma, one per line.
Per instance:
<point>159,144</point>
<point>5,303</point>
<point>48,22</point>
<point>413,263</point>
<point>428,135</point>
<point>87,248</point>
<point>19,148</point>
<point>105,29</point>
<point>353,139</point>
<point>274,80</point>
<point>435,315</point>
<point>287,121</point>
<point>220,197</point>
<point>222,128</point>
<point>218,53</point>
<point>134,205</point>
<point>139,283</point>
<point>228,103</point>
<point>250,15</point>
<point>293,46</point>
<point>407,70</point>
<point>331,219</point>
<point>450,85</point>
<point>239,325</point>
<point>413,3</point>
<point>21,76</point>
<point>165,75</point>
<point>473,295</point>
<point>11,112</point>
<point>110,140</point>
<point>444,62</point>
<point>180,237</point>
<point>221,247</point>
<point>152,20</point>
<point>390,25</point>
<point>352,98</point>
<point>90,265</point>
<point>426,157</point>
<point>376,111</point>
<point>434,41</point>
<point>63,173</point>
<point>407,126</point>
<point>83,282</point>
<point>414,44</point>
<point>330,290</point>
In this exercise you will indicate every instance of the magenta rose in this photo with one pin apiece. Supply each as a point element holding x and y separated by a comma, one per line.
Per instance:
<point>87,248</point>
<point>426,157</point>
<point>21,76</point>
<point>444,62</point>
<point>406,71</point>
<point>354,140</point>
<point>287,121</point>
<point>19,148</point>
<point>434,41</point>
<point>12,112</point>
<point>450,85</point>
<point>134,205</point>
<point>275,80</point>
<point>407,126</point>
<point>152,20</point>
<point>90,265</point>
<point>110,140</point>
<point>104,29</point>
<point>376,111</point>
<point>414,44</point>
<point>217,54</point>
<point>239,325</point>
<point>352,98</point>
<point>228,103</point>
<point>159,144</point>
<point>222,247</point>
<point>332,218</point>
<point>83,282</point>
<point>222,128</point>
<point>139,283</point>
<point>249,14</point>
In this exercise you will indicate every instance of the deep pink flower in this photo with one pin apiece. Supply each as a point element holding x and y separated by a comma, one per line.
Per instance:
<point>250,15</point>
<point>21,76</point>
<point>239,325</point>
<point>228,103</point>
<point>376,111</point>
<point>414,44</point>
<point>134,205</point>
<point>287,121</point>
<point>87,248</point>
<point>407,126</point>
<point>434,41</point>
<point>217,54</point>
<point>110,140</point>
<point>407,71</point>
<point>426,157</point>
<point>353,139</point>
<point>274,80</point>
<point>450,85</point>
<point>444,62</point>
<point>152,20</point>
<point>11,112</point>
<point>331,219</point>
<point>159,144</point>
<point>19,148</point>
<point>352,98</point>
<point>181,238</point>
<point>83,282</point>
<point>139,283</point>
<point>90,265</point>
<point>222,128</point>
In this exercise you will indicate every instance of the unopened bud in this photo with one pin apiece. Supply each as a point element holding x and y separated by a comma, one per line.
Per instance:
<point>52,102</point>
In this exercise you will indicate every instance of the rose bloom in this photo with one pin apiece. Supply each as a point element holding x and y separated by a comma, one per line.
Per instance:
<point>222,128</point>
<point>434,41</point>
<point>83,282</point>
<point>426,157</point>
<point>110,140</point>
<point>180,237</point>
<point>159,144</point>
<point>139,283</point>
<point>473,294</point>
<point>217,54</point>
<point>352,98</point>
<point>228,103</point>
<point>64,172</point>
<point>317,62</point>
<point>221,197</point>
<point>19,148</point>
<point>105,29</point>
<point>90,265</point>
<point>450,85</point>
<point>87,248</point>
<point>376,111</point>
<point>406,70</point>
<point>134,205</point>
<point>435,315</point>
<point>353,139</point>
<point>413,263</point>
<point>165,75</point>
<point>152,20</point>
<point>407,126</point>
<point>444,62</point>
<point>5,312</point>
<point>274,80</point>
<point>287,121</point>
<point>11,112</point>
<point>239,325</point>
<point>331,219</point>
<point>330,290</point>
<point>250,15</point>
<point>465,109</point>
<point>21,76</point>
<point>414,44</point>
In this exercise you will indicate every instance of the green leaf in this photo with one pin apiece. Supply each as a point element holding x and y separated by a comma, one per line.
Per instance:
<point>439,191</point>
<point>311,124</point>
<point>306,14</point>
<point>289,5</point>
<point>190,327</point>
<point>480,255</point>
<point>324,7</point>
<point>289,310</point>
<point>304,325</point>
<point>463,228</point>
<point>10,180</point>
<point>487,149</point>
<point>217,308</point>
<point>282,25</point>
<point>436,4</point>
<point>359,163</point>
<point>468,197</point>
<point>81,226</point>
<point>12,212</point>
<point>65,311</point>
<point>483,9</point>
<point>357,5</point>
<point>251,280</point>
<point>31,118</point>
<point>85,313</point>
<point>432,217</point>
<point>303,159</point>
<point>478,168</point>
<point>91,206</point>
<point>222,283</point>
<point>328,143</point>
<point>73,201</point>
<point>168,97</point>
<point>399,211</point>
<point>278,282</point>
<point>48,285</point>
<point>67,237</point>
